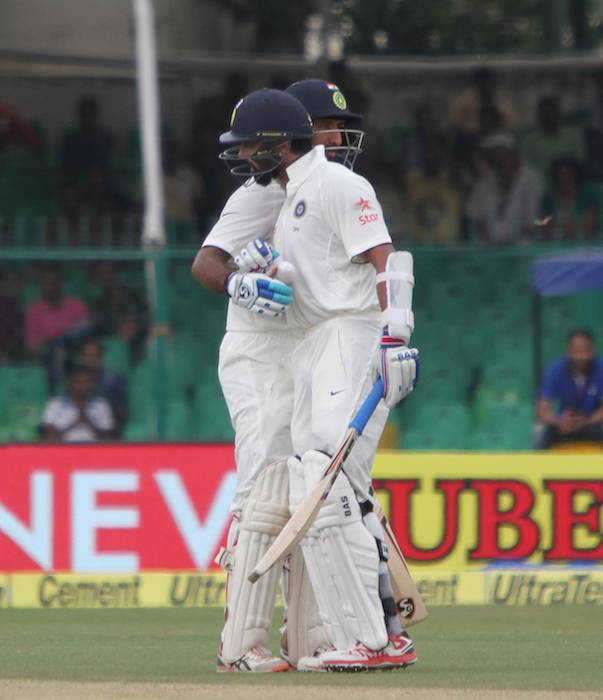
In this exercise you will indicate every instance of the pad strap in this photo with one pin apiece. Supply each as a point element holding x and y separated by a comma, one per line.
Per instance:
<point>392,275</point>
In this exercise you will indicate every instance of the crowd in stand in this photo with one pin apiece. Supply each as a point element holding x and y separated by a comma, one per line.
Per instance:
<point>64,333</point>
<point>477,176</point>
<point>483,180</point>
<point>473,176</point>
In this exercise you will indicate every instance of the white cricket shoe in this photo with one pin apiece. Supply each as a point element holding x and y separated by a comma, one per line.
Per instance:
<point>256,660</point>
<point>314,664</point>
<point>399,653</point>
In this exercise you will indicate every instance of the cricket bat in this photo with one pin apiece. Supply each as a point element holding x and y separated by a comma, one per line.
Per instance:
<point>299,523</point>
<point>411,607</point>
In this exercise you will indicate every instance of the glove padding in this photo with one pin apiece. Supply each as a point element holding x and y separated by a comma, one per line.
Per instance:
<point>259,293</point>
<point>256,256</point>
<point>399,369</point>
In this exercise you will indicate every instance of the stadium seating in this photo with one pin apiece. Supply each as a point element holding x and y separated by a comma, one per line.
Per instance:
<point>473,327</point>
<point>22,398</point>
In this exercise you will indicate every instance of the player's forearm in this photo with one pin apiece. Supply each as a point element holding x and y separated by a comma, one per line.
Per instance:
<point>211,267</point>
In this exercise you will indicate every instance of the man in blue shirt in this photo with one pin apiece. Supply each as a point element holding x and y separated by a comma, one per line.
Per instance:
<point>570,406</point>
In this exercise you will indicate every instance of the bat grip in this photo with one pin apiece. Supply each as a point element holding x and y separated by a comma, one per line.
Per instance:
<point>367,409</point>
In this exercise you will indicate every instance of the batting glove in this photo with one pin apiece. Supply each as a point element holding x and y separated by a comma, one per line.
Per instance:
<point>399,369</point>
<point>259,293</point>
<point>256,256</point>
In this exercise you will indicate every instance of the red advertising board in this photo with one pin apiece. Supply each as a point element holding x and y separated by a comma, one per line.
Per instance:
<point>165,507</point>
<point>121,508</point>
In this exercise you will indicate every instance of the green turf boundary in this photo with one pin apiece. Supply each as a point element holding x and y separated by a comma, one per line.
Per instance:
<point>459,647</point>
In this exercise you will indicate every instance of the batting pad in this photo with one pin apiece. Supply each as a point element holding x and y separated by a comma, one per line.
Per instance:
<point>250,606</point>
<point>342,561</point>
<point>305,631</point>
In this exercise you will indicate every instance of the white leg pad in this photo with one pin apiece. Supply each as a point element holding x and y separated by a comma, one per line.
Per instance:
<point>305,631</point>
<point>342,562</point>
<point>250,606</point>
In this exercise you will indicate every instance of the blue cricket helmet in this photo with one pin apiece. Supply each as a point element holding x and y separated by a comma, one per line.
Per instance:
<point>267,115</point>
<point>323,100</point>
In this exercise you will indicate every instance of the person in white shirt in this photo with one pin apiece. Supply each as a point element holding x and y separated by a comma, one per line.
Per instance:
<point>337,322</point>
<point>79,416</point>
<point>255,356</point>
<point>505,202</point>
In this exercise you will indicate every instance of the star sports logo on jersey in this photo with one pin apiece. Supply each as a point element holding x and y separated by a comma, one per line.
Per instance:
<point>365,218</point>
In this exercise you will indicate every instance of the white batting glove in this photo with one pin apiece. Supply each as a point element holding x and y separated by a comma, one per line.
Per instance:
<point>399,369</point>
<point>256,256</point>
<point>259,293</point>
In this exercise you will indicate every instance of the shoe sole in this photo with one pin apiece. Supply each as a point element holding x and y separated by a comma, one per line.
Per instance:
<point>282,668</point>
<point>364,668</point>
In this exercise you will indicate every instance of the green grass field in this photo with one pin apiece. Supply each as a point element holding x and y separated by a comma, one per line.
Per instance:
<point>459,647</point>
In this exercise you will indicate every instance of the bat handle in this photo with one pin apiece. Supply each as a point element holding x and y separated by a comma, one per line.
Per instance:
<point>368,407</point>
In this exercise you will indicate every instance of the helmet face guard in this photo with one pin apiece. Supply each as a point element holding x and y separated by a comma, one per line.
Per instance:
<point>262,166</point>
<point>269,118</point>
<point>350,149</point>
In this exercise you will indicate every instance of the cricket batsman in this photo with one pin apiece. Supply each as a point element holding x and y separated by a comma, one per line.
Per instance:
<point>257,381</point>
<point>351,313</point>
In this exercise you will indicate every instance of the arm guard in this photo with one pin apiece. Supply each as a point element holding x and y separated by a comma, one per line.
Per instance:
<point>399,281</point>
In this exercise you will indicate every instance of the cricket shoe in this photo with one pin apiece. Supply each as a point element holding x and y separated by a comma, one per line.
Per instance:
<point>399,653</point>
<point>256,660</point>
<point>314,664</point>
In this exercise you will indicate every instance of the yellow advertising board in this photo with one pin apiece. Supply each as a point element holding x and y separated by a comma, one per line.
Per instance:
<point>141,590</point>
<point>458,512</point>
<point>514,587</point>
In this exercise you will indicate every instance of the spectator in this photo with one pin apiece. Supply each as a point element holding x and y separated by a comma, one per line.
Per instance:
<point>184,194</point>
<point>479,100</point>
<point>53,324</point>
<point>108,385</point>
<point>575,384</point>
<point>207,117</point>
<point>432,198</point>
<point>80,416</point>
<point>551,140</point>
<point>87,148</point>
<point>477,112</point>
<point>92,202</point>
<point>505,200</point>
<point>570,207</point>
<point>11,322</point>
<point>119,311</point>
<point>404,144</point>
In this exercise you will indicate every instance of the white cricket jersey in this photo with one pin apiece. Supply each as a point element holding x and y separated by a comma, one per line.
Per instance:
<point>64,415</point>
<point>330,217</point>
<point>251,211</point>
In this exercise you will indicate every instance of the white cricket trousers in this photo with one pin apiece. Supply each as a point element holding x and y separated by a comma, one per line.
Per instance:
<point>334,369</point>
<point>257,382</point>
